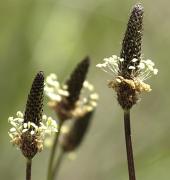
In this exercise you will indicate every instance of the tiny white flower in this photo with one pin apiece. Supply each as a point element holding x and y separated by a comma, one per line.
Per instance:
<point>134,60</point>
<point>13,123</point>
<point>121,59</point>
<point>131,67</point>
<point>24,130</point>
<point>44,117</point>
<point>12,130</point>
<point>10,119</point>
<point>118,80</point>
<point>32,132</point>
<point>100,65</point>
<point>94,96</point>
<point>155,71</point>
<point>25,125</point>
<point>141,66</point>
<point>93,103</point>
<point>19,114</point>
<point>53,89</point>
<point>89,86</point>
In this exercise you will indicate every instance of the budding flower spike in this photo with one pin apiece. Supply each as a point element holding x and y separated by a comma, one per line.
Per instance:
<point>72,136</point>
<point>76,97</point>
<point>129,71</point>
<point>29,129</point>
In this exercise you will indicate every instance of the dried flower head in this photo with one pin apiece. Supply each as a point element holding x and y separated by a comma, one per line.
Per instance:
<point>130,70</point>
<point>76,97</point>
<point>71,138</point>
<point>28,131</point>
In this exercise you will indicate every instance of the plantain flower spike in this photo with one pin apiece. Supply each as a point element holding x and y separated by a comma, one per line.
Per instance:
<point>130,70</point>
<point>72,135</point>
<point>29,129</point>
<point>76,97</point>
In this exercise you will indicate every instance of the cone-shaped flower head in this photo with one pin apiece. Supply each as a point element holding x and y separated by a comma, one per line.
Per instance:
<point>67,100</point>
<point>131,46</point>
<point>34,106</point>
<point>72,136</point>
<point>33,114</point>
<point>130,70</point>
<point>75,83</point>
<point>29,130</point>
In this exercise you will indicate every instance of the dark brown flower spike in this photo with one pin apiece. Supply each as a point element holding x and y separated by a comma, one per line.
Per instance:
<point>71,139</point>
<point>75,83</point>
<point>33,114</point>
<point>69,96</point>
<point>131,46</point>
<point>34,106</point>
<point>30,129</point>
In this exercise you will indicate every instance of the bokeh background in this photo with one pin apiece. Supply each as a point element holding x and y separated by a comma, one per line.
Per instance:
<point>53,36</point>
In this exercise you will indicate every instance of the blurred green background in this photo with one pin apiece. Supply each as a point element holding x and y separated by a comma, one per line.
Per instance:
<point>54,36</point>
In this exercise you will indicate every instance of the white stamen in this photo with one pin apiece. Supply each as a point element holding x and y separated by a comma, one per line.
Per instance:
<point>131,67</point>
<point>113,65</point>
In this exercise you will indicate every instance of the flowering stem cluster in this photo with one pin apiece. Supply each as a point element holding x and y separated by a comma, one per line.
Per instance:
<point>75,102</point>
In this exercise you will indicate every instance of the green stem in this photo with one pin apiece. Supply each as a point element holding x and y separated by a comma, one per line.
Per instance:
<point>129,150</point>
<point>28,169</point>
<point>57,165</point>
<point>52,155</point>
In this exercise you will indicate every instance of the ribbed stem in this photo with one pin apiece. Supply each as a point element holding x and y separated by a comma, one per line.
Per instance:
<point>57,165</point>
<point>129,149</point>
<point>53,151</point>
<point>28,169</point>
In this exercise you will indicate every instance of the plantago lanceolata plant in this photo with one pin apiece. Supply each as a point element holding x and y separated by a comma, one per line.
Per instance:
<point>66,100</point>
<point>129,71</point>
<point>29,130</point>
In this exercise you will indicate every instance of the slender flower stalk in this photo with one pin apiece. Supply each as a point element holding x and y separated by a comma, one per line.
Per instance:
<point>66,100</point>
<point>53,151</point>
<point>129,149</point>
<point>129,72</point>
<point>58,163</point>
<point>29,130</point>
<point>28,169</point>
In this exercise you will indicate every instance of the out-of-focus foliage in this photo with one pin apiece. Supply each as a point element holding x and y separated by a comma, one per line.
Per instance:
<point>53,36</point>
